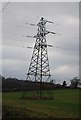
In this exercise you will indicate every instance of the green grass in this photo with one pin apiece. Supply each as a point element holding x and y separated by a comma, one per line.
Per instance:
<point>64,105</point>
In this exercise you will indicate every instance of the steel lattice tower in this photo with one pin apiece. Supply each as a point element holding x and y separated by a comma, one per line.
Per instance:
<point>39,70</point>
<point>39,67</point>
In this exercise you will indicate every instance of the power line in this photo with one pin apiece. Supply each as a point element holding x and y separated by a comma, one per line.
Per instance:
<point>5,6</point>
<point>14,40</point>
<point>32,17</point>
<point>62,46</point>
<point>26,28</point>
<point>28,16</point>
<point>10,39</point>
<point>70,35</point>
<point>17,13</point>
<point>17,25</point>
<point>19,46</point>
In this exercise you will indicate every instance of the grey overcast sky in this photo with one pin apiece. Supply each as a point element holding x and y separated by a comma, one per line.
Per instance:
<point>64,61</point>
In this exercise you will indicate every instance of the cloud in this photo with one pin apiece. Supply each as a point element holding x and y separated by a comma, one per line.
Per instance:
<point>67,69</point>
<point>14,68</point>
<point>66,72</point>
<point>73,21</point>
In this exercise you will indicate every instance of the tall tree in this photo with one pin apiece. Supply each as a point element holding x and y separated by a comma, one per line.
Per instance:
<point>74,82</point>
<point>64,84</point>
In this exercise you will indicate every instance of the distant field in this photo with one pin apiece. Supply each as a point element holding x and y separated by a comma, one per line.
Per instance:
<point>64,105</point>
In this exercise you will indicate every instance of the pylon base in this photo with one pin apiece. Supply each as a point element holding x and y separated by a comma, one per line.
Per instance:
<point>37,98</point>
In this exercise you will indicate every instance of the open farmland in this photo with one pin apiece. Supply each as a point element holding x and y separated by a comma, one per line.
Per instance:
<point>64,105</point>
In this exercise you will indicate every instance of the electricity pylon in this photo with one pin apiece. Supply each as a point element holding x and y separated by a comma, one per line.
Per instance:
<point>39,70</point>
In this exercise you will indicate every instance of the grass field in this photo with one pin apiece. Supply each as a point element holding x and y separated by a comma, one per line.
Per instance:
<point>0,105</point>
<point>64,105</point>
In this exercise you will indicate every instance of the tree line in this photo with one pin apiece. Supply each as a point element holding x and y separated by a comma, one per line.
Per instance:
<point>14,84</point>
